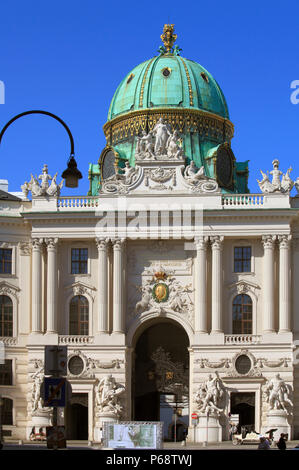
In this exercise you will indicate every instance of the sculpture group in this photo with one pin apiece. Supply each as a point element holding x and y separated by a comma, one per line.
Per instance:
<point>278,394</point>
<point>210,397</point>
<point>108,396</point>
<point>280,182</point>
<point>158,144</point>
<point>43,188</point>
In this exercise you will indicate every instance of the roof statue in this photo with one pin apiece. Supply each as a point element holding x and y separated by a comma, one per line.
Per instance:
<point>280,182</point>
<point>44,188</point>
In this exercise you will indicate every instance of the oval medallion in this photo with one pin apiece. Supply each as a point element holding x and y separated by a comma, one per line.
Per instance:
<point>160,292</point>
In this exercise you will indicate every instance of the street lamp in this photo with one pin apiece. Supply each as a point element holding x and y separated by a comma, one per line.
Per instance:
<point>71,174</point>
<point>1,404</point>
<point>177,410</point>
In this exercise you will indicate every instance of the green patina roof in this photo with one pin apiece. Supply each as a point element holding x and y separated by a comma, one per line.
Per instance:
<point>188,85</point>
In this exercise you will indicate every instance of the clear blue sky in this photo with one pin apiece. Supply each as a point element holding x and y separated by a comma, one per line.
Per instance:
<point>68,57</point>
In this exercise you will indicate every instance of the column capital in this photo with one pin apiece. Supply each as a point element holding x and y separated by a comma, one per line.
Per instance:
<point>201,243</point>
<point>37,243</point>
<point>51,243</point>
<point>102,243</point>
<point>284,241</point>
<point>216,242</point>
<point>118,243</point>
<point>268,241</point>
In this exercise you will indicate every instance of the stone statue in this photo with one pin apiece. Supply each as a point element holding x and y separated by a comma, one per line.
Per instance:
<point>25,189</point>
<point>173,149</point>
<point>210,395</point>
<point>43,189</point>
<point>54,188</point>
<point>278,394</point>
<point>192,174</point>
<point>108,396</point>
<point>276,173</point>
<point>264,184</point>
<point>36,399</point>
<point>286,182</point>
<point>283,186</point>
<point>161,132</point>
<point>129,173</point>
<point>145,144</point>
<point>144,304</point>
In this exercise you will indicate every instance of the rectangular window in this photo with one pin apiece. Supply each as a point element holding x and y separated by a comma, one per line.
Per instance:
<point>242,259</point>
<point>5,261</point>
<point>6,372</point>
<point>79,260</point>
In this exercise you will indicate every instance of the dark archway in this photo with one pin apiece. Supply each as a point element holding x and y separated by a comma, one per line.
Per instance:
<point>243,404</point>
<point>161,362</point>
<point>77,417</point>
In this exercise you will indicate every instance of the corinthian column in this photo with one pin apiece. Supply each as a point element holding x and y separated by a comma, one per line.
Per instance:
<point>118,288</point>
<point>102,245</point>
<point>37,285</point>
<point>52,281</point>
<point>268,294</point>
<point>284,283</point>
<point>201,286</point>
<point>217,245</point>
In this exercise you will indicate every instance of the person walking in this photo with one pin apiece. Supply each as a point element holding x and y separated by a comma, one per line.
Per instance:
<point>281,444</point>
<point>264,444</point>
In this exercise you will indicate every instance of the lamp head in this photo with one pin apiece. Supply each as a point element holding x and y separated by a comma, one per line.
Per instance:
<point>71,175</point>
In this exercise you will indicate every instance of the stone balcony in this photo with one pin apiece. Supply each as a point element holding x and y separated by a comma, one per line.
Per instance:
<point>242,339</point>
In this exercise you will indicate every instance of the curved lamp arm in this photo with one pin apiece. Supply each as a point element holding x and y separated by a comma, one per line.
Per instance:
<point>71,173</point>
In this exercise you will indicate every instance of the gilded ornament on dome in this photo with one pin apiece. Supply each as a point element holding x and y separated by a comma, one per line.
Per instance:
<point>168,37</point>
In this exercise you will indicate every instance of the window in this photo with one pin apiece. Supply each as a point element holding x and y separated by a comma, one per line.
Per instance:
<point>242,315</point>
<point>6,316</point>
<point>6,373</point>
<point>79,261</point>
<point>242,259</point>
<point>5,261</point>
<point>7,407</point>
<point>79,312</point>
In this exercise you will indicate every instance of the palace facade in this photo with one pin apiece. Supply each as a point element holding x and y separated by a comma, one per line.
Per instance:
<point>169,274</point>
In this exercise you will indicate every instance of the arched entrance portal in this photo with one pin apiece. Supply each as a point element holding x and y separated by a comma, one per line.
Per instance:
<point>160,379</point>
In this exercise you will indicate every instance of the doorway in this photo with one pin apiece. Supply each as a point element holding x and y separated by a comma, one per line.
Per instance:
<point>243,404</point>
<point>161,369</point>
<point>77,417</point>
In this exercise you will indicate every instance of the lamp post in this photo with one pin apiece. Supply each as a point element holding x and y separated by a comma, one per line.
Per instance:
<point>71,174</point>
<point>1,404</point>
<point>177,410</point>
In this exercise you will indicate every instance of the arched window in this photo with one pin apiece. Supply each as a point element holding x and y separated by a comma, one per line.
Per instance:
<point>6,316</point>
<point>7,407</point>
<point>242,315</point>
<point>79,313</point>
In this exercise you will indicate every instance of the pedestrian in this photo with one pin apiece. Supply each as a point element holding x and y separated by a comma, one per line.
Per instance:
<point>264,444</point>
<point>281,444</point>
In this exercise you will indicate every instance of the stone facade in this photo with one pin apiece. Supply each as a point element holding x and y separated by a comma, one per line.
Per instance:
<point>129,268</point>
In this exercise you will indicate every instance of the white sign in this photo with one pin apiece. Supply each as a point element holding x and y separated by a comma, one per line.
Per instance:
<point>133,435</point>
<point>56,360</point>
<point>2,353</point>
<point>234,419</point>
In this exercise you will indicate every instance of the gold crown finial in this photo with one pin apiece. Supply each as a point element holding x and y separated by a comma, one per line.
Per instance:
<point>168,37</point>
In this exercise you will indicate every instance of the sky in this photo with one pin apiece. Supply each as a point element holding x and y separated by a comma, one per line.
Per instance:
<point>67,57</point>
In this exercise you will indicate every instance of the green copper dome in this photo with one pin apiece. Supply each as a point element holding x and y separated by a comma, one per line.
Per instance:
<point>170,81</point>
<point>189,99</point>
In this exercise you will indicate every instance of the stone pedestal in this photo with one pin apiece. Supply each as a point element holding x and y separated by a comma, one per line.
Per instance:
<point>278,419</point>
<point>102,418</point>
<point>208,429</point>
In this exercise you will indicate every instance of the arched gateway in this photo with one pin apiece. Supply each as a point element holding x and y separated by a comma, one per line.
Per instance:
<point>160,377</point>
